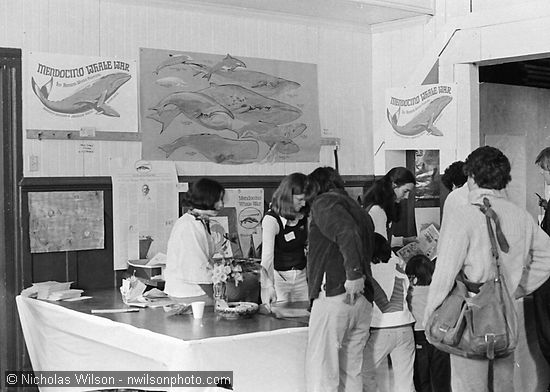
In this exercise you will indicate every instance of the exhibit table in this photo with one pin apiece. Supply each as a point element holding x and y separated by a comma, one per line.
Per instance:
<point>262,351</point>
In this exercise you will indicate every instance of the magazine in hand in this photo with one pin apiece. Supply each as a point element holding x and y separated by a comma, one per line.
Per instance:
<point>427,245</point>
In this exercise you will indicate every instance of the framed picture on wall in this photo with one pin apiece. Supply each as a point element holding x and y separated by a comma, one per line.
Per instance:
<point>425,166</point>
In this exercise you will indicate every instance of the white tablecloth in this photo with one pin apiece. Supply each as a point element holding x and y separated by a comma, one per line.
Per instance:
<point>58,339</point>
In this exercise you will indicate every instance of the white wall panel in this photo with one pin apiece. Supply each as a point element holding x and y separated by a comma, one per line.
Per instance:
<point>395,54</point>
<point>119,28</point>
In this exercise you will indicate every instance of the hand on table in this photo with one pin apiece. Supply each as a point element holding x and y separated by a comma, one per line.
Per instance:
<point>268,296</point>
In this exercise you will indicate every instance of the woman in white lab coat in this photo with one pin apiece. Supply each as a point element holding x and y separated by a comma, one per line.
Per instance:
<point>191,245</point>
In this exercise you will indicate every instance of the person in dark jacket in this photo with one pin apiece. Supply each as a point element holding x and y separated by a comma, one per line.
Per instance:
<point>541,296</point>
<point>341,243</point>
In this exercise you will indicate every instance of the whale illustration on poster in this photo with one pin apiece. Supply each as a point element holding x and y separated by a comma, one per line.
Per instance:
<point>227,109</point>
<point>68,92</point>
<point>418,117</point>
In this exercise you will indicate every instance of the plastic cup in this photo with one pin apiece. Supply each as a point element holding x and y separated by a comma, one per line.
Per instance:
<point>198,309</point>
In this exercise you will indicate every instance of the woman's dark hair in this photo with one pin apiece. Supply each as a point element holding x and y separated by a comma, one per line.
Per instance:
<point>489,167</point>
<point>321,180</point>
<point>204,194</point>
<point>421,268</point>
<point>454,175</point>
<point>282,201</point>
<point>381,193</point>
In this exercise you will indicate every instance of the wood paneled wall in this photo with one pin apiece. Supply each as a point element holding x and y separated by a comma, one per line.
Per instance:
<point>119,28</point>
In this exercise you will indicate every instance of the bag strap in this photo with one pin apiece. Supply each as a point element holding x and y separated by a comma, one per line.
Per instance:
<point>490,214</point>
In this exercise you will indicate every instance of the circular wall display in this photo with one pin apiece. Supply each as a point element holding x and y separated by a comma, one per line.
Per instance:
<point>250,217</point>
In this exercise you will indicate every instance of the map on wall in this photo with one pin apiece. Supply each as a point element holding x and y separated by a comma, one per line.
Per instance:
<point>227,109</point>
<point>66,221</point>
<point>67,92</point>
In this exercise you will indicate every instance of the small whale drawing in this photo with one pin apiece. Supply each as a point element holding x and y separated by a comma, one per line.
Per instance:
<point>216,148</point>
<point>171,81</point>
<point>177,60</point>
<point>228,64</point>
<point>272,134</point>
<point>423,121</point>
<point>91,97</point>
<point>249,219</point>
<point>197,107</point>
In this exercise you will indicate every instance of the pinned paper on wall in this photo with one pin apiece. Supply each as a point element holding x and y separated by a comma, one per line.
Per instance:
<point>249,204</point>
<point>145,205</point>
<point>66,221</point>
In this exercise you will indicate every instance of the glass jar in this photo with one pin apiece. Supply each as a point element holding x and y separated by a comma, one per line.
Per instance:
<point>220,295</point>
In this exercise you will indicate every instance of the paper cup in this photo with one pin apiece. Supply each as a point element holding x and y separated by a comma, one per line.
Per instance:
<point>198,309</point>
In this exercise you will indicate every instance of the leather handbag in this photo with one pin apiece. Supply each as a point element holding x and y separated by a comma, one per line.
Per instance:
<point>485,325</point>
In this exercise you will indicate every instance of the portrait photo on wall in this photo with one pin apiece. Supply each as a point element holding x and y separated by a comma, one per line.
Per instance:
<point>227,109</point>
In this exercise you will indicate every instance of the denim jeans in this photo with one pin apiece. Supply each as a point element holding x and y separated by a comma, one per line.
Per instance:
<point>337,335</point>
<point>291,286</point>
<point>398,343</point>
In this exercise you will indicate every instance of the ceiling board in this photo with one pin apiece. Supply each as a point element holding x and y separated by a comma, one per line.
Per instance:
<point>360,12</point>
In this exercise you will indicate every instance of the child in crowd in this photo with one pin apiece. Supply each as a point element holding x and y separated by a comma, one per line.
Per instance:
<point>432,367</point>
<point>391,331</point>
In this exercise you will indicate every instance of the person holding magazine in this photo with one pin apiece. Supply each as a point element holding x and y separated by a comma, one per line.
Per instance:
<point>382,202</point>
<point>465,246</point>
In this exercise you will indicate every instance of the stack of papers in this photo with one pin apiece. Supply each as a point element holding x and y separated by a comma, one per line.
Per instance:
<point>65,294</point>
<point>52,290</point>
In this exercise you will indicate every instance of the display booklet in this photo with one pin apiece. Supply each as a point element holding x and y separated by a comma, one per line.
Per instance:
<point>426,244</point>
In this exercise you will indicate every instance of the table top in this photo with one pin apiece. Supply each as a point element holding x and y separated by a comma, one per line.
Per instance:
<point>184,326</point>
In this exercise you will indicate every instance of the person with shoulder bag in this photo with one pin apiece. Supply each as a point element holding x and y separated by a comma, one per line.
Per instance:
<point>489,245</point>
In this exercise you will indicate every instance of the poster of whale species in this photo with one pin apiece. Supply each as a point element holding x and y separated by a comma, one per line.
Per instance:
<point>227,109</point>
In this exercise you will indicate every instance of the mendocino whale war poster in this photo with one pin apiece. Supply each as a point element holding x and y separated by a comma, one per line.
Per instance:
<point>420,117</point>
<point>227,109</point>
<point>68,93</point>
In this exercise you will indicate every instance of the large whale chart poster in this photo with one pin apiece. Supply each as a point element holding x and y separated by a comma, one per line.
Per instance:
<point>419,117</point>
<point>68,92</point>
<point>227,109</point>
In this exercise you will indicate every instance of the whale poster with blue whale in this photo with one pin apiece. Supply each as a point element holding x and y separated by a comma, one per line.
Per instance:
<point>68,92</point>
<point>420,117</point>
<point>227,109</point>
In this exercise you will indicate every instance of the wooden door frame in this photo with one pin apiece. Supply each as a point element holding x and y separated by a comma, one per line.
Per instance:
<point>12,346</point>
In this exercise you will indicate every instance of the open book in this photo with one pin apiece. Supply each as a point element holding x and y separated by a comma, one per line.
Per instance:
<point>427,245</point>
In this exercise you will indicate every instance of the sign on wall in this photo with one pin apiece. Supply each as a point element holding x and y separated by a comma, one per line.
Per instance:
<point>145,207</point>
<point>249,203</point>
<point>227,109</point>
<point>419,117</point>
<point>67,92</point>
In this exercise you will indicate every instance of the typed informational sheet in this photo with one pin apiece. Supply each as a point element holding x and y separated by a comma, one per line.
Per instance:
<point>145,207</point>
